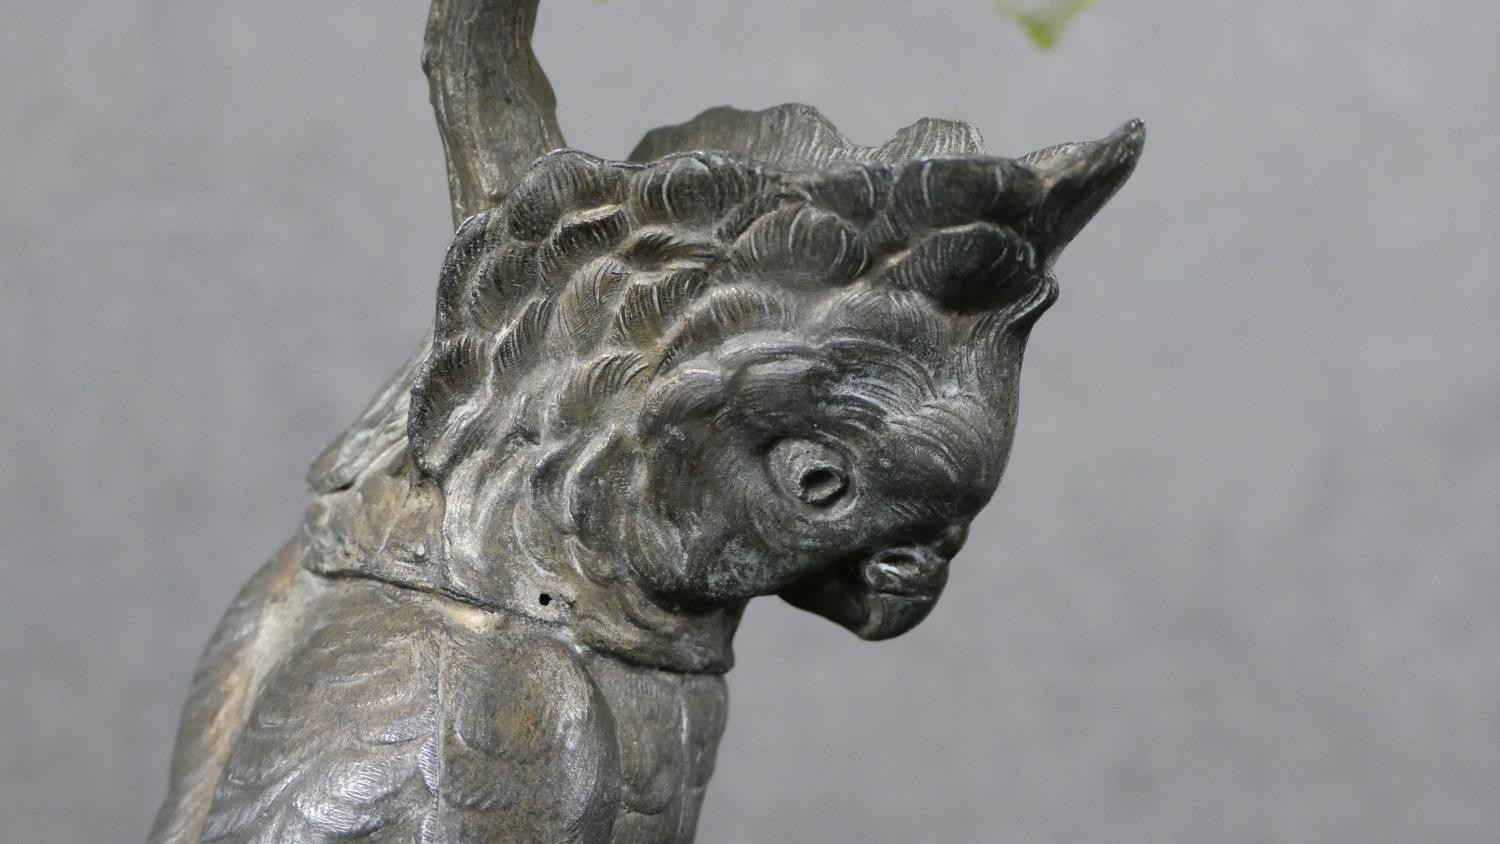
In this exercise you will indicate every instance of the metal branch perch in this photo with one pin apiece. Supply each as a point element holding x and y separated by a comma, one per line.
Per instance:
<point>495,110</point>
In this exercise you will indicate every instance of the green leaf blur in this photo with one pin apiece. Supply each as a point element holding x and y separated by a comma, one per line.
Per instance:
<point>1042,20</point>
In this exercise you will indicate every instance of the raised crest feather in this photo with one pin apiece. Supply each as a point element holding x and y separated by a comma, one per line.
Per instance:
<point>662,261</point>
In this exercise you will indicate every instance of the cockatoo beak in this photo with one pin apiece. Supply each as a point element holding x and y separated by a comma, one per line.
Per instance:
<point>880,597</point>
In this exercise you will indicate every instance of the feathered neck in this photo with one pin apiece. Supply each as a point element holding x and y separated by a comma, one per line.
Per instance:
<point>389,526</point>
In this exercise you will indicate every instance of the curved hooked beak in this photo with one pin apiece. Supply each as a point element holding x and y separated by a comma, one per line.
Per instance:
<point>1076,180</point>
<point>880,597</point>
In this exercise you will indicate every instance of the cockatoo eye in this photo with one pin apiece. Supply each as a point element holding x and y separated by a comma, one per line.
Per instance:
<point>811,472</point>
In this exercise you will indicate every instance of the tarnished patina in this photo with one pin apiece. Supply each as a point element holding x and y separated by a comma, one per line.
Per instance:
<point>754,360</point>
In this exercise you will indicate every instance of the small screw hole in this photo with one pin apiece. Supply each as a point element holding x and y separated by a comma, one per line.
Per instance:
<point>544,599</point>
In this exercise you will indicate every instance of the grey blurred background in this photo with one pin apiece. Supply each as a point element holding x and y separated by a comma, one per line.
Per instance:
<point>1240,584</point>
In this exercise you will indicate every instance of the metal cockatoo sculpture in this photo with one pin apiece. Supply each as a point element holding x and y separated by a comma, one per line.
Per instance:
<point>754,360</point>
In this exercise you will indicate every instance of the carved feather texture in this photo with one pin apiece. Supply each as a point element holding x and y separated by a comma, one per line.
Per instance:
<point>444,397</point>
<point>615,328</point>
<point>669,258</point>
<point>421,734</point>
<point>521,341</point>
<point>658,248</point>
<point>899,318</point>
<point>972,266</point>
<point>456,282</point>
<point>587,303</point>
<point>579,237</point>
<point>854,191</point>
<point>796,135</point>
<point>592,384</point>
<point>561,182</point>
<point>724,313</point>
<point>502,278</point>
<point>802,246</point>
<point>692,188</point>
<point>650,303</point>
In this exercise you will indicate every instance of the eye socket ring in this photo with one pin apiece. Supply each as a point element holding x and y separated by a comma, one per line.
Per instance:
<point>811,472</point>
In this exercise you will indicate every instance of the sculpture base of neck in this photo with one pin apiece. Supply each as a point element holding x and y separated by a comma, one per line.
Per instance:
<point>387,526</point>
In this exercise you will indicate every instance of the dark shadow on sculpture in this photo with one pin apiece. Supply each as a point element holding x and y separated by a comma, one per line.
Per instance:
<point>756,360</point>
